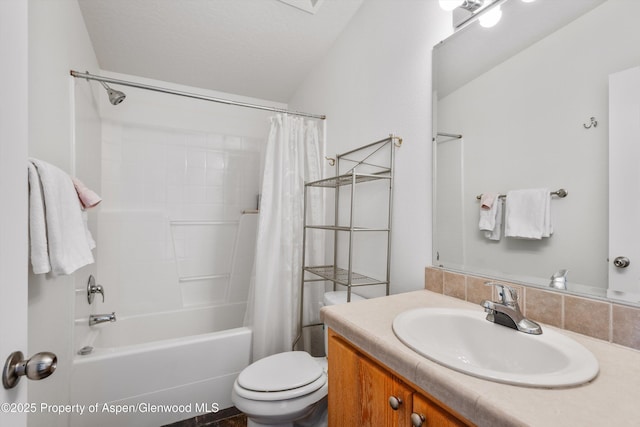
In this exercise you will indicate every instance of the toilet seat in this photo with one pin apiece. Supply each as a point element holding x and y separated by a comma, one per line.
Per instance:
<point>281,376</point>
<point>280,395</point>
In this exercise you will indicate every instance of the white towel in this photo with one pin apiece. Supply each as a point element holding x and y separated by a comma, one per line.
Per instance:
<point>488,206</point>
<point>528,214</point>
<point>55,207</point>
<point>37,226</point>
<point>496,233</point>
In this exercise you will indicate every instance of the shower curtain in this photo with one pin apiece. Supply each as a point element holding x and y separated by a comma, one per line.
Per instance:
<point>292,157</point>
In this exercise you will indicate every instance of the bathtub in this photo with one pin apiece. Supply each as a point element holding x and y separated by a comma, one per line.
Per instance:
<point>152,370</point>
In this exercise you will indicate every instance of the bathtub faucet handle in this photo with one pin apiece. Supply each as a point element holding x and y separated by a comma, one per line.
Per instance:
<point>93,289</point>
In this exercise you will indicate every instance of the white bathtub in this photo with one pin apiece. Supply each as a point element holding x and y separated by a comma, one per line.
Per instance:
<point>156,369</point>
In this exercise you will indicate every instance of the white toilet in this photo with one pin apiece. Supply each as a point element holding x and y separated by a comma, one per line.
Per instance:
<point>286,389</point>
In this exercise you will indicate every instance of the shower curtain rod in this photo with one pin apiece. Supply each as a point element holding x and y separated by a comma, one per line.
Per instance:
<point>89,76</point>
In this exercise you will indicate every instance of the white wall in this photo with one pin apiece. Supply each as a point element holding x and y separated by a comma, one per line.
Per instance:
<point>58,41</point>
<point>376,80</point>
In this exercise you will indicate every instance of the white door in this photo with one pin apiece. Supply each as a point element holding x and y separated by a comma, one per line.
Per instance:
<point>13,201</point>
<point>624,185</point>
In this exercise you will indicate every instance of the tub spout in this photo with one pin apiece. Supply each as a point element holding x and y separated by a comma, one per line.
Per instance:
<point>94,319</point>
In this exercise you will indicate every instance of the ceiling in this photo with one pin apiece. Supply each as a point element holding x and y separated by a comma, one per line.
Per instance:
<point>258,48</point>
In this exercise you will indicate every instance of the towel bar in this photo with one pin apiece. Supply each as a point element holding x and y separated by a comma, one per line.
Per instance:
<point>562,193</point>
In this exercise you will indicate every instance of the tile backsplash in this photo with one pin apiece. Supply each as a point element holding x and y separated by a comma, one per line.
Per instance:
<point>616,323</point>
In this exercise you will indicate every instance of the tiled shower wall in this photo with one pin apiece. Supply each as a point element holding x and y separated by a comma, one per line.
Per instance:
<point>188,175</point>
<point>172,201</point>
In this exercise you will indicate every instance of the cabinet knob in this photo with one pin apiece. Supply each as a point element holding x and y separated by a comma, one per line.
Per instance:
<point>395,402</point>
<point>417,419</point>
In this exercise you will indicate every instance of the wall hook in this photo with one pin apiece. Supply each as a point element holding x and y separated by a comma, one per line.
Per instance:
<point>332,161</point>
<point>593,123</point>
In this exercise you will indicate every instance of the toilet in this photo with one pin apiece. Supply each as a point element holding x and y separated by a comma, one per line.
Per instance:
<point>287,389</point>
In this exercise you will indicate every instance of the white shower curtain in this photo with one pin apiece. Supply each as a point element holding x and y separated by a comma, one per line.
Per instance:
<point>292,157</point>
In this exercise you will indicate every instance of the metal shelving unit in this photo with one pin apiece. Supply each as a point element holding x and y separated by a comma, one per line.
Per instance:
<point>367,164</point>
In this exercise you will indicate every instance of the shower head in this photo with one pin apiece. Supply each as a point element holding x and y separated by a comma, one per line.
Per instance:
<point>115,96</point>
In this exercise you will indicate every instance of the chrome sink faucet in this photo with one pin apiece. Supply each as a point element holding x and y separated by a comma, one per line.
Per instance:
<point>94,319</point>
<point>506,311</point>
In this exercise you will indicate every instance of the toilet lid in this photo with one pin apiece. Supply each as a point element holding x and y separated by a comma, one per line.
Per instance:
<point>279,372</point>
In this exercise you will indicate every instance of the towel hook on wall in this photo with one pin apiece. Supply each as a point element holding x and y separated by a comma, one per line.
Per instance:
<point>593,123</point>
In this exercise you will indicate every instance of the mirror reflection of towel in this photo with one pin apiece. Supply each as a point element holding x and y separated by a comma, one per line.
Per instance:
<point>490,215</point>
<point>496,233</point>
<point>528,214</point>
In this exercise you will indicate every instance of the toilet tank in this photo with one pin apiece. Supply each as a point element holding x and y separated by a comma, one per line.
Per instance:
<point>334,298</point>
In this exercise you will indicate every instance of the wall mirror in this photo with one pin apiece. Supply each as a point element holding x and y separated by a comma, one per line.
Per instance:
<point>521,95</point>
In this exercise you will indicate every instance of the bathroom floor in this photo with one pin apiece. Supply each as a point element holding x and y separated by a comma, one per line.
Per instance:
<point>230,417</point>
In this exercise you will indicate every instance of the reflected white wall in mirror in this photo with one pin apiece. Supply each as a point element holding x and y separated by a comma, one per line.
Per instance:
<point>520,94</point>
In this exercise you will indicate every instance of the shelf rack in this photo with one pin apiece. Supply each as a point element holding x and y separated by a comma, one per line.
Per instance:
<point>369,163</point>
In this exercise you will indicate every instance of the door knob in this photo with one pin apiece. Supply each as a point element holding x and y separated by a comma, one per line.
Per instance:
<point>621,262</point>
<point>39,366</point>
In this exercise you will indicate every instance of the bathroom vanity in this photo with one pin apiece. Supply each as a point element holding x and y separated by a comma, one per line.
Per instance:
<point>371,372</point>
<point>366,393</point>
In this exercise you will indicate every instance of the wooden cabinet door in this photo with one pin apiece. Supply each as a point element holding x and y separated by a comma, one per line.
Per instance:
<point>359,390</point>
<point>433,414</point>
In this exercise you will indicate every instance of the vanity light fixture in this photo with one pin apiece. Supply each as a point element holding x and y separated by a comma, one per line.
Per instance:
<point>491,17</point>
<point>470,5</point>
<point>465,10</point>
<point>450,4</point>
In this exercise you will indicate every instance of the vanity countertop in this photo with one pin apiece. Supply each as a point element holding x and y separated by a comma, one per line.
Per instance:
<point>610,399</point>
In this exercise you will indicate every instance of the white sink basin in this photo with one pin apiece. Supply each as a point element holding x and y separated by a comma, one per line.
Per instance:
<point>465,341</point>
